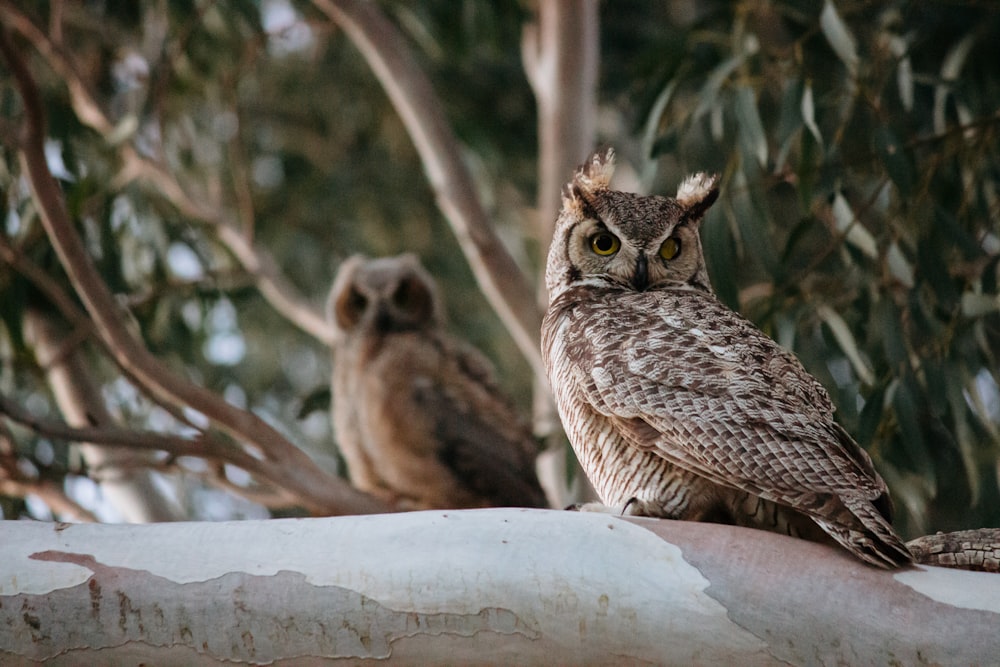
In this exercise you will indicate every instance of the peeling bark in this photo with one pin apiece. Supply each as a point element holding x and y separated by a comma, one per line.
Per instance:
<point>474,587</point>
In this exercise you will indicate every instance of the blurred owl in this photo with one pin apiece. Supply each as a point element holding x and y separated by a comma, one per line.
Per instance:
<point>678,407</point>
<point>419,418</point>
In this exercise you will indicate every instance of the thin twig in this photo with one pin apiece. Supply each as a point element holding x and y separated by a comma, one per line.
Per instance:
<point>16,483</point>
<point>202,446</point>
<point>121,472</point>
<point>51,494</point>
<point>46,284</point>
<point>960,129</point>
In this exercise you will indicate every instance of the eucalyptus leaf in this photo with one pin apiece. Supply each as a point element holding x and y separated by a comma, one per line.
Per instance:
<point>848,224</point>
<point>750,127</point>
<point>906,404</point>
<point>708,98</point>
<point>809,113</point>
<point>789,111</point>
<point>890,324</point>
<point>953,63</point>
<point>954,390</point>
<point>848,344</point>
<point>899,47</point>
<point>933,271</point>
<point>720,254</point>
<point>977,305</point>
<point>840,38</point>
<point>651,132</point>
<point>899,266</point>
<point>750,212</point>
<point>870,417</point>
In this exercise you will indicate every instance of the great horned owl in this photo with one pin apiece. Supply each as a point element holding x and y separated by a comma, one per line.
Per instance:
<point>678,407</point>
<point>418,416</point>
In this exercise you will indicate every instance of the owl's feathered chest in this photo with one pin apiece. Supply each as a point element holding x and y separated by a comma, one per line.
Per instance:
<point>593,321</point>
<point>601,343</point>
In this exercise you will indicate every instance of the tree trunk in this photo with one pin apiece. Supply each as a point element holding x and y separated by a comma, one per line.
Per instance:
<point>474,587</point>
<point>561,55</point>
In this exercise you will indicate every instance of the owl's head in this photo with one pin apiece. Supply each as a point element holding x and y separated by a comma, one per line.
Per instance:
<point>383,295</point>
<point>608,238</point>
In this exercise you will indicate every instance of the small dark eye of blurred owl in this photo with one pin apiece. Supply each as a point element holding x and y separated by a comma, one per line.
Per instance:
<point>677,406</point>
<point>418,416</point>
<point>348,310</point>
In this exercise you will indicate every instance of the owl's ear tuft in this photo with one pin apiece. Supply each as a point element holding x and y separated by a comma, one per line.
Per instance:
<point>595,173</point>
<point>342,307</point>
<point>697,193</point>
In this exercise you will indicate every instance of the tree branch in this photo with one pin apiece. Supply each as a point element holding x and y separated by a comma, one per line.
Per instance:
<point>87,109</point>
<point>560,53</point>
<point>287,465</point>
<point>526,587</point>
<point>17,483</point>
<point>204,446</point>
<point>500,279</point>
<point>49,493</point>
<point>123,474</point>
<point>47,285</point>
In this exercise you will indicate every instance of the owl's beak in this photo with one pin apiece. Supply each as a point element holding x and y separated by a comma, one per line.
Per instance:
<point>383,318</point>
<point>640,279</point>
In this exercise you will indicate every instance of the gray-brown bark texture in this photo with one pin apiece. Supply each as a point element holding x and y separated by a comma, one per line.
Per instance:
<point>474,587</point>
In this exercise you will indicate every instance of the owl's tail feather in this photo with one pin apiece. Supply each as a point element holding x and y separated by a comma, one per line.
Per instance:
<point>870,537</point>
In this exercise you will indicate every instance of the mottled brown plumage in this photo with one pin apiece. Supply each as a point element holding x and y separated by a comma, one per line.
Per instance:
<point>977,549</point>
<point>418,416</point>
<point>677,406</point>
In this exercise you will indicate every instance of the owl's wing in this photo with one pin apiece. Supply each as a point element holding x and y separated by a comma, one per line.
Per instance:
<point>697,384</point>
<point>480,438</point>
<point>705,389</point>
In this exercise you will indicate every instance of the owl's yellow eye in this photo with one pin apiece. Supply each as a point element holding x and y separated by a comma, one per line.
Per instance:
<point>670,248</point>
<point>604,243</point>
